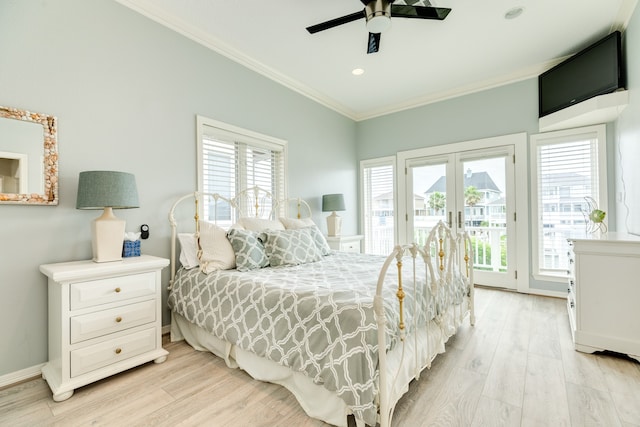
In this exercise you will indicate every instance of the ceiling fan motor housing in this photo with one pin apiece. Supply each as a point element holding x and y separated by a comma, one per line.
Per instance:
<point>378,15</point>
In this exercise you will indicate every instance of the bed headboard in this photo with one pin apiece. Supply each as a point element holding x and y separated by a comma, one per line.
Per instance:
<point>224,211</point>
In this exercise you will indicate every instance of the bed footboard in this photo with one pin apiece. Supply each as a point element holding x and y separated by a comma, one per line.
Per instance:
<point>445,280</point>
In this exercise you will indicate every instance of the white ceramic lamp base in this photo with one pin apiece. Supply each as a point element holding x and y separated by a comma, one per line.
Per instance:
<point>107,235</point>
<point>334,225</point>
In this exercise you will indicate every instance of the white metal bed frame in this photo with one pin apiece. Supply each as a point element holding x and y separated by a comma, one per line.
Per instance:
<point>447,257</point>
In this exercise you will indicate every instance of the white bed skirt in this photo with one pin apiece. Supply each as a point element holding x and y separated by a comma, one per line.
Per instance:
<point>317,401</point>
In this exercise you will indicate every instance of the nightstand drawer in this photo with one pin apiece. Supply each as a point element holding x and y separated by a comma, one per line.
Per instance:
<point>106,353</point>
<point>113,320</point>
<point>96,292</point>
<point>350,247</point>
<point>345,243</point>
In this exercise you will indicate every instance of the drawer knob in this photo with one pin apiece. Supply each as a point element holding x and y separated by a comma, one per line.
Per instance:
<point>118,319</point>
<point>118,350</point>
<point>117,290</point>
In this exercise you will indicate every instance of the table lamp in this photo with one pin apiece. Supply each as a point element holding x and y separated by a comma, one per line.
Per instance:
<point>107,190</point>
<point>333,203</point>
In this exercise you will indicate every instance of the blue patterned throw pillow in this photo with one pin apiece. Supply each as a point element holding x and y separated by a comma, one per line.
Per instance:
<point>249,249</point>
<point>291,247</point>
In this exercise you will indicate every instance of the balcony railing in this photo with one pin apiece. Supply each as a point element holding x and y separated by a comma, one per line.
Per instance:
<point>489,244</point>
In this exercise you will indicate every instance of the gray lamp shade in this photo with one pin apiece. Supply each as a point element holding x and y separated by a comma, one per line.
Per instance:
<point>106,189</point>
<point>332,202</point>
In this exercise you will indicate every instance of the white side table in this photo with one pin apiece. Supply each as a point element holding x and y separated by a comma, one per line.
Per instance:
<point>346,243</point>
<point>104,318</point>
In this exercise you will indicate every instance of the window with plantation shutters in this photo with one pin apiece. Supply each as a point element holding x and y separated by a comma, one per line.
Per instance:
<point>231,159</point>
<point>568,178</point>
<point>378,205</point>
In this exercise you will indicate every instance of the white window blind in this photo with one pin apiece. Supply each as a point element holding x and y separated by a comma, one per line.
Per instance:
<point>378,206</point>
<point>569,171</point>
<point>233,160</point>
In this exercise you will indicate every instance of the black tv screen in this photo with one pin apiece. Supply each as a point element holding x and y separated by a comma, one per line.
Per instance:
<point>593,71</point>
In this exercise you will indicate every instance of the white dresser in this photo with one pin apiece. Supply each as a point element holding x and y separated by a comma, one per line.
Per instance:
<point>346,243</point>
<point>103,318</point>
<point>604,293</point>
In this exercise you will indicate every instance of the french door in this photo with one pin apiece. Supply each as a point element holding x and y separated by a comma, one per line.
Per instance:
<point>469,190</point>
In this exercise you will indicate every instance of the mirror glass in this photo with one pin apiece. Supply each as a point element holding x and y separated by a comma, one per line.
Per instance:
<point>28,157</point>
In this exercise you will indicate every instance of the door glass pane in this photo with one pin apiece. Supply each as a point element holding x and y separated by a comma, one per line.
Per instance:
<point>429,199</point>
<point>485,212</point>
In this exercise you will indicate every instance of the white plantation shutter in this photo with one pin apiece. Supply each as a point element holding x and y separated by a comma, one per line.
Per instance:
<point>378,206</point>
<point>569,170</point>
<point>233,159</point>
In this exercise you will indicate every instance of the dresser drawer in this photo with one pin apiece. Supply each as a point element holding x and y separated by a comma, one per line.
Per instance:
<point>113,320</point>
<point>97,356</point>
<point>571,262</point>
<point>96,292</point>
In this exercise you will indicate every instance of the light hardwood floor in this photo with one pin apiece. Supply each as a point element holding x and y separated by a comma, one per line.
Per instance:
<point>516,367</point>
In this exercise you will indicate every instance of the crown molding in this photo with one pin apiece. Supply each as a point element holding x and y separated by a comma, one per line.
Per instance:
<point>520,75</point>
<point>150,10</point>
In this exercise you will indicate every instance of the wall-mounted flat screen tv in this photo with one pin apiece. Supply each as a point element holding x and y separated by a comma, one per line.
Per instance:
<point>596,70</point>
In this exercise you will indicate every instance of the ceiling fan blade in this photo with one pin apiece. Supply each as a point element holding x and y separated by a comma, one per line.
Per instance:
<point>374,43</point>
<point>335,22</point>
<point>420,12</point>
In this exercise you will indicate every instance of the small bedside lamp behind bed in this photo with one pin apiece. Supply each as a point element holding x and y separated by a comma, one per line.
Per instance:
<point>333,203</point>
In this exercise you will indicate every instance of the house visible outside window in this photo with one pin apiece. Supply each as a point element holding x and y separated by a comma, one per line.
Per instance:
<point>568,168</point>
<point>378,212</point>
<point>231,159</point>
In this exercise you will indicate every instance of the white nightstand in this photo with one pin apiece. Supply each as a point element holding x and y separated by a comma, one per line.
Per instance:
<point>346,243</point>
<point>104,318</point>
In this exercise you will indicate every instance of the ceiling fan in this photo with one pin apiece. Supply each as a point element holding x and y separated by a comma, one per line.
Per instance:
<point>378,14</point>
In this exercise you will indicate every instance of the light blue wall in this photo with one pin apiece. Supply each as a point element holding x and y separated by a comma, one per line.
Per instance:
<point>500,111</point>
<point>627,155</point>
<point>126,92</point>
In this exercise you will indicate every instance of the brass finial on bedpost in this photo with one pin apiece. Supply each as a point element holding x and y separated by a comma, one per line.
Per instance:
<point>197,217</point>
<point>466,255</point>
<point>441,254</point>
<point>400,294</point>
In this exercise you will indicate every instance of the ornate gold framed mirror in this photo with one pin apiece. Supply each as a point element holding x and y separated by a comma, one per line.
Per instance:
<point>28,157</point>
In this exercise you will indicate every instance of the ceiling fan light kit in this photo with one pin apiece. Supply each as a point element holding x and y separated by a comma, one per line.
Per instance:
<point>378,14</point>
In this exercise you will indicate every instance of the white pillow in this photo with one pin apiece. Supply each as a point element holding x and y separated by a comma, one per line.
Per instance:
<point>295,223</point>
<point>217,253</point>
<point>188,250</point>
<point>260,224</point>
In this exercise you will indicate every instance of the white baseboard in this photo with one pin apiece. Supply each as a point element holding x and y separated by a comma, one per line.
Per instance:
<point>21,375</point>
<point>546,293</point>
<point>530,291</point>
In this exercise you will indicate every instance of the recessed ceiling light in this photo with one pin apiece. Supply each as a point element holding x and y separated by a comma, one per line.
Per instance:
<point>357,71</point>
<point>513,13</point>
